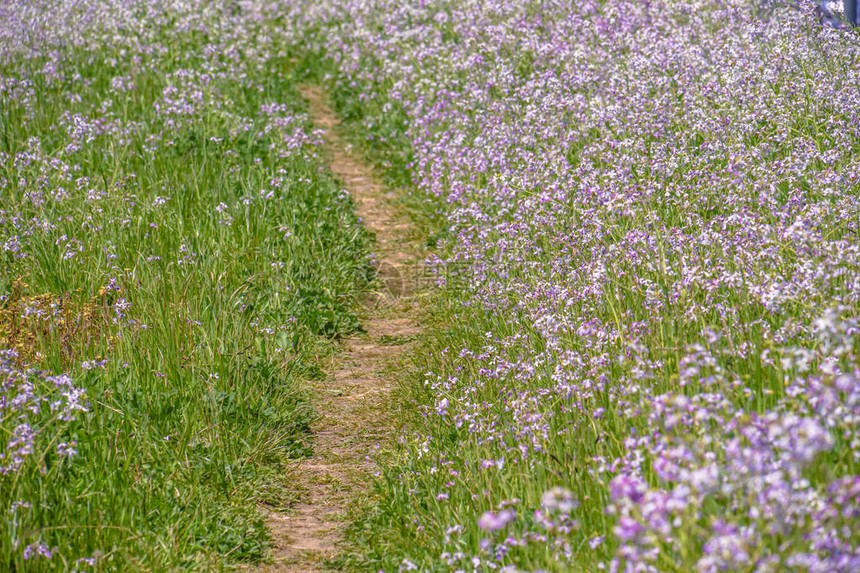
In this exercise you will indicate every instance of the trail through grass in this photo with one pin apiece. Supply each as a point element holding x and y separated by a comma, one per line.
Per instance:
<point>649,358</point>
<point>358,417</point>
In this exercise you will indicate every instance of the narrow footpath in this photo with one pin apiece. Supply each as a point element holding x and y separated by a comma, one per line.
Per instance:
<point>353,400</point>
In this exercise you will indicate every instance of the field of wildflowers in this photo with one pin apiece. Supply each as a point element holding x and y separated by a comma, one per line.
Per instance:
<point>654,362</point>
<point>174,260</point>
<point>650,362</point>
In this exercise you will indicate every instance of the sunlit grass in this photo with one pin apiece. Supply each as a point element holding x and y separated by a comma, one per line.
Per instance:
<point>174,245</point>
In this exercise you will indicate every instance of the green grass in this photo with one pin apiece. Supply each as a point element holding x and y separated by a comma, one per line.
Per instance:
<point>208,318</point>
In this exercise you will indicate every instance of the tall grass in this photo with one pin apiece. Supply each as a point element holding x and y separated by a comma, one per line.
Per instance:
<point>175,261</point>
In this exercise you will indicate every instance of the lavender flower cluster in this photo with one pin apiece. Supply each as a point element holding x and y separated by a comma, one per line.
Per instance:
<point>38,416</point>
<point>657,206</point>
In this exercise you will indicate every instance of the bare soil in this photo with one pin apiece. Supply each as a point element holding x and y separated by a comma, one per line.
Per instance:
<point>353,399</point>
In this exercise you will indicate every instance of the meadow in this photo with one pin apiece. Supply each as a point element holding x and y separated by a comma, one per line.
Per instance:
<point>175,261</point>
<point>649,361</point>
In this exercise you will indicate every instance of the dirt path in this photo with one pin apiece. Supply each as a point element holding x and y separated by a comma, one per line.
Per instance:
<point>353,400</point>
